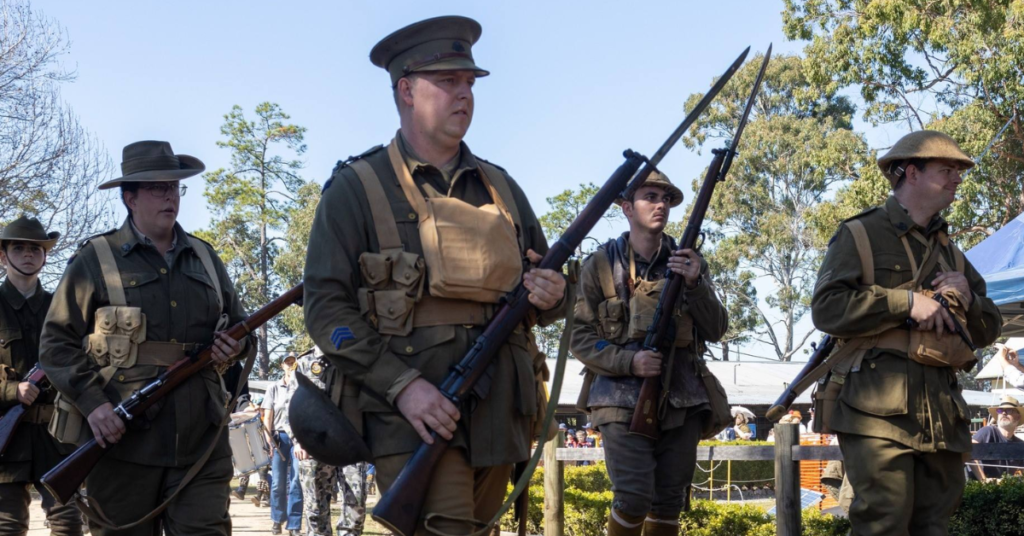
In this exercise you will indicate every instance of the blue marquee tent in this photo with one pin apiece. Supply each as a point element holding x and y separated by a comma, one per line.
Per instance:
<point>1000,259</point>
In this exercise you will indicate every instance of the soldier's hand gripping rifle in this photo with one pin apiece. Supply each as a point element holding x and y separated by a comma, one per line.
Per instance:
<point>661,332</point>
<point>10,421</point>
<point>65,479</point>
<point>399,509</point>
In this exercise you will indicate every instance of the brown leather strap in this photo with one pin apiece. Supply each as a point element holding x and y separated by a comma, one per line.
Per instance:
<point>867,260</point>
<point>431,311</point>
<point>895,339</point>
<point>380,207</point>
<point>162,354</point>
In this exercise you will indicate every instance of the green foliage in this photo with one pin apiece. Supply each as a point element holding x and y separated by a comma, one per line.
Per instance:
<point>798,146</point>
<point>988,509</point>
<point>291,262</point>
<point>952,66</point>
<point>252,202</point>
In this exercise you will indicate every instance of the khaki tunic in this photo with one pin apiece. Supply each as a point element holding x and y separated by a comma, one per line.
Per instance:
<point>890,396</point>
<point>180,305</point>
<point>609,359</point>
<point>32,451</point>
<point>497,430</point>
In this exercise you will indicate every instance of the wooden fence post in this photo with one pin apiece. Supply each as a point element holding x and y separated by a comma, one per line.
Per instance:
<point>554,485</point>
<point>787,481</point>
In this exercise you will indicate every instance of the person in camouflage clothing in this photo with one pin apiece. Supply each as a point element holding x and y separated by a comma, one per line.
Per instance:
<point>318,479</point>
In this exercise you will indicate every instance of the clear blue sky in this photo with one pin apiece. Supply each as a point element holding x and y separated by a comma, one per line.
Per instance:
<point>572,83</point>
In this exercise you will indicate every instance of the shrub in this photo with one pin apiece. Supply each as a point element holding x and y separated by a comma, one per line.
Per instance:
<point>989,509</point>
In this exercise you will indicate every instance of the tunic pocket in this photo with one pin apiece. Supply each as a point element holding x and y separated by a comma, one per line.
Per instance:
<point>611,315</point>
<point>7,337</point>
<point>394,312</point>
<point>879,388</point>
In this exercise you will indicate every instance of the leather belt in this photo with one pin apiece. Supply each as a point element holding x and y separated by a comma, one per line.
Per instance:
<point>431,311</point>
<point>162,354</point>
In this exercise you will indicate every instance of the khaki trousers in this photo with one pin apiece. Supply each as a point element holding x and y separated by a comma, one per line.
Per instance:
<point>650,477</point>
<point>456,490</point>
<point>127,491</point>
<point>15,499</point>
<point>899,491</point>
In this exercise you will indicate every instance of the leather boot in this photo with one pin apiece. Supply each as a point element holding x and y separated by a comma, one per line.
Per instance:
<point>622,524</point>
<point>661,527</point>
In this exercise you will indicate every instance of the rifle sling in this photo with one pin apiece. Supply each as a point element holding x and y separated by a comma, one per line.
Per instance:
<point>95,514</point>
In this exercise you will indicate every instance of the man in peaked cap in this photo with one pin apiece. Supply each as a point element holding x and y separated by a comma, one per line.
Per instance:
<point>132,302</point>
<point>620,286</point>
<point>901,420</point>
<point>377,307</point>
<point>31,452</point>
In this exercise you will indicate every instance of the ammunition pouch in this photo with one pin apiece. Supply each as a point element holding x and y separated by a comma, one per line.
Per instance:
<point>642,305</point>
<point>116,336</point>
<point>39,413</point>
<point>67,424</point>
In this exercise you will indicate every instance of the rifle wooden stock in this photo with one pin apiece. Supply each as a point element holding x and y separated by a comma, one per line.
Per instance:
<point>645,414</point>
<point>64,480</point>
<point>400,507</point>
<point>10,421</point>
<point>786,399</point>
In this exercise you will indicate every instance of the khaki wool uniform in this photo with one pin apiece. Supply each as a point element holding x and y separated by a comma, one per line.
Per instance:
<point>32,451</point>
<point>903,426</point>
<point>493,433</point>
<point>181,307</point>
<point>649,477</point>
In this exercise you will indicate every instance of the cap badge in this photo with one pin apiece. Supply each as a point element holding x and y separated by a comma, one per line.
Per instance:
<point>457,47</point>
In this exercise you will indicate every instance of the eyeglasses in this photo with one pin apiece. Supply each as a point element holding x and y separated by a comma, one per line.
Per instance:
<point>1005,411</point>
<point>163,189</point>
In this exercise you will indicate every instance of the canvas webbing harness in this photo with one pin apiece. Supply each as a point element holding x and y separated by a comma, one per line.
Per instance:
<point>849,352</point>
<point>115,291</point>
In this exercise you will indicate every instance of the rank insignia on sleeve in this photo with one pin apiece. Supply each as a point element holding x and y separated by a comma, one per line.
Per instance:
<point>316,369</point>
<point>340,335</point>
<point>601,345</point>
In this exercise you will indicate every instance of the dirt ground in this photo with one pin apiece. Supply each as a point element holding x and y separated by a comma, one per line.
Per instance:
<point>246,519</point>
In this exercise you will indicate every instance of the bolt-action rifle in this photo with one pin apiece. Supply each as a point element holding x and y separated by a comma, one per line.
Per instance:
<point>66,478</point>
<point>399,509</point>
<point>10,421</point>
<point>661,333</point>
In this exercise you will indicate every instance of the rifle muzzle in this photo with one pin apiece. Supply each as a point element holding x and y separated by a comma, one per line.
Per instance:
<point>322,429</point>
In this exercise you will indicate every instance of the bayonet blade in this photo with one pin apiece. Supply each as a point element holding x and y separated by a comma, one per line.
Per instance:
<point>746,111</point>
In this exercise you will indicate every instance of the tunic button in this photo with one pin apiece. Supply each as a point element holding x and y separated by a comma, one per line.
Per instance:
<point>163,270</point>
<point>412,215</point>
<point>872,365</point>
<point>408,349</point>
<point>897,267</point>
<point>174,340</point>
<point>132,283</point>
<point>174,303</point>
<point>120,378</point>
<point>391,309</point>
<point>408,275</point>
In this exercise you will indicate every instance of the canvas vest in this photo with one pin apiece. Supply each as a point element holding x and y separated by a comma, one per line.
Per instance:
<point>472,256</point>
<point>923,347</point>
<point>623,318</point>
<point>118,339</point>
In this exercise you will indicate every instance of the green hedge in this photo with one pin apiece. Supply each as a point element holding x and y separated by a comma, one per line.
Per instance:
<point>588,498</point>
<point>990,509</point>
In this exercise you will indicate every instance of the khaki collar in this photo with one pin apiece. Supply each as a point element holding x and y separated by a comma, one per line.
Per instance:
<point>465,160</point>
<point>17,300</point>
<point>902,223</point>
<point>126,239</point>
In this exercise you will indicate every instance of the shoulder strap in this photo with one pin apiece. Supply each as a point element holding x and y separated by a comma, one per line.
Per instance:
<point>204,256</point>
<point>111,274</point>
<point>867,260</point>
<point>958,258</point>
<point>380,207</point>
<point>497,179</point>
<point>604,274</point>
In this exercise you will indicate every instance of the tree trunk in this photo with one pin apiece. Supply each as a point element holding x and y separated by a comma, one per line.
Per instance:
<point>725,351</point>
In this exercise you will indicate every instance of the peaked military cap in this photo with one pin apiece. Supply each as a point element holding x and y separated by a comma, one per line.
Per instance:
<point>26,229</point>
<point>921,144</point>
<point>154,161</point>
<point>659,179</point>
<point>437,44</point>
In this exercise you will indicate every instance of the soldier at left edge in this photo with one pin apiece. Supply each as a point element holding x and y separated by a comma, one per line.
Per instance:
<point>31,451</point>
